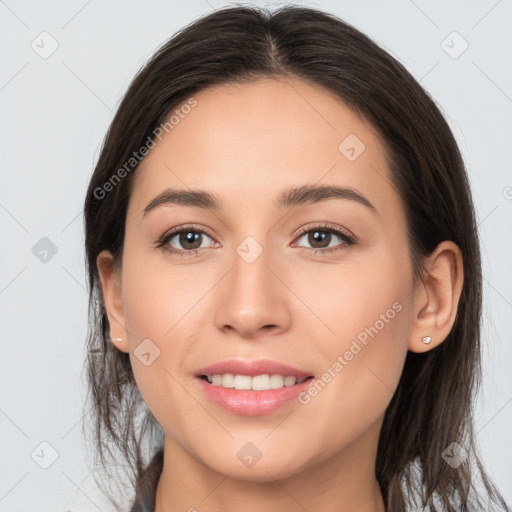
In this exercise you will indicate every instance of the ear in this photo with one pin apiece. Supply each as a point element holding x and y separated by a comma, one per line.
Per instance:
<point>111,287</point>
<point>436,297</point>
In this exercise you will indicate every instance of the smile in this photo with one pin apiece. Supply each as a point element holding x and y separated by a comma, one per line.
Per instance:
<point>256,383</point>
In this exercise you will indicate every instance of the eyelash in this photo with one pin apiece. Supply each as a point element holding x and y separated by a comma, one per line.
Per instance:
<point>348,240</point>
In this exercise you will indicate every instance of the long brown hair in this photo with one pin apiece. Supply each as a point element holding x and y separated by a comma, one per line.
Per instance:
<point>432,405</point>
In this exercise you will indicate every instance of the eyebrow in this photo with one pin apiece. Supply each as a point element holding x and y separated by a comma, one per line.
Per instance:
<point>294,196</point>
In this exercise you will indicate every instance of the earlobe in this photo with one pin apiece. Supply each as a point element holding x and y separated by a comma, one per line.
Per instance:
<point>111,290</point>
<point>436,298</point>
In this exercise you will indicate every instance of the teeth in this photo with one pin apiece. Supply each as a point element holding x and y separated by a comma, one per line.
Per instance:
<point>242,382</point>
<point>256,383</point>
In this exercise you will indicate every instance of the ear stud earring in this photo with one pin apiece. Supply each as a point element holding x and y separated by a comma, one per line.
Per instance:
<point>117,339</point>
<point>427,339</point>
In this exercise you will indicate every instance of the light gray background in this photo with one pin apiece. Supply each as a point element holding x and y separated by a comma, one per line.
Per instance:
<point>55,113</point>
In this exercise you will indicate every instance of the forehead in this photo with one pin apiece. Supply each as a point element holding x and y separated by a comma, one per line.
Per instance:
<point>247,141</point>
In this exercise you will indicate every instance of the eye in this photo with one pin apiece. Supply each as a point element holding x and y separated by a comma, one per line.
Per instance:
<point>189,238</point>
<point>321,236</point>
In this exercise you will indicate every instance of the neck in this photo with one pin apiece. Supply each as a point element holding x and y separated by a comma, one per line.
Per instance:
<point>345,482</point>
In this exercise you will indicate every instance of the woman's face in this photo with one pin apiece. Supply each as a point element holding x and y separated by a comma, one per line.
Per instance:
<point>256,280</point>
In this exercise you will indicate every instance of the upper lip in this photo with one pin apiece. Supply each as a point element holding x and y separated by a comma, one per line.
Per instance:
<point>252,368</point>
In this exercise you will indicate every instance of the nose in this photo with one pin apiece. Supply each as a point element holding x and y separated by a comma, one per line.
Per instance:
<point>252,298</point>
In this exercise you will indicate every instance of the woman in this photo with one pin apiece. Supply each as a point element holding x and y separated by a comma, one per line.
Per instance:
<point>285,280</point>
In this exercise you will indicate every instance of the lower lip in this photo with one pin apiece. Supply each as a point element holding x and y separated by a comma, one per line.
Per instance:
<point>249,402</point>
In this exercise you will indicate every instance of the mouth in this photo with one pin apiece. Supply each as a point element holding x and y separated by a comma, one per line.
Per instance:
<point>260,375</point>
<point>264,382</point>
<point>252,387</point>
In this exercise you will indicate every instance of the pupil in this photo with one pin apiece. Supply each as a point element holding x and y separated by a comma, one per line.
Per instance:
<point>189,238</point>
<point>318,236</point>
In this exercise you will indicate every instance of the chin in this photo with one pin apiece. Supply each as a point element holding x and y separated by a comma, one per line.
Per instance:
<point>261,472</point>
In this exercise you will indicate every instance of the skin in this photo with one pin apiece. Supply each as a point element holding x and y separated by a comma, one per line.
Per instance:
<point>246,143</point>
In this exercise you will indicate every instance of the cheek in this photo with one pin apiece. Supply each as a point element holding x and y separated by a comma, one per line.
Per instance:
<point>359,378</point>
<point>156,296</point>
<point>365,313</point>
<point>362,296</point>
<point>151,322</point>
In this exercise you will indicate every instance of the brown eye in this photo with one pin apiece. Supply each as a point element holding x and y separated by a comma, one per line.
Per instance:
<point>184,241</point>
<point>189,239</point>
<point>323,239</point>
